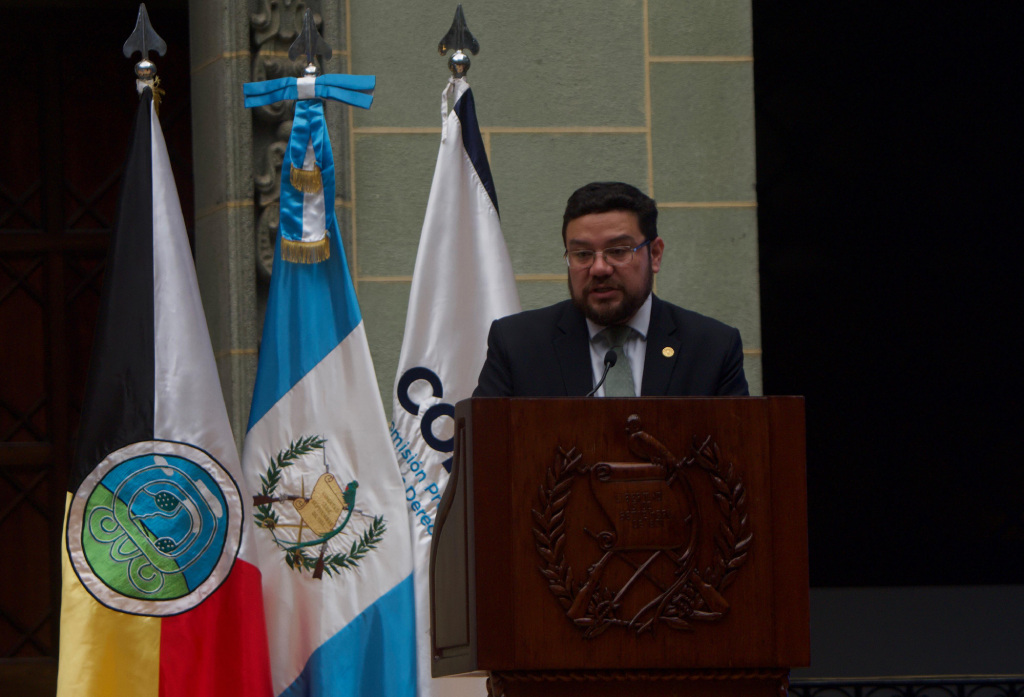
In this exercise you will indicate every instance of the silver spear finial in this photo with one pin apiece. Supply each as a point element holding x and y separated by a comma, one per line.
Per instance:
<point>144,39</point>
<point>458,39</point>
<point>311,44</point>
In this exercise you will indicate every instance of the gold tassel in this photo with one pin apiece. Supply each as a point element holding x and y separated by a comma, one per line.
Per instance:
<point>158,94</point>
<point>306,252</point>
<point>305,180</point>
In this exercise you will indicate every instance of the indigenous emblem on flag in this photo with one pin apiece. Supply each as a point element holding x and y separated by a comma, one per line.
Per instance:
<point>155,528</point>
<point>313,530</point>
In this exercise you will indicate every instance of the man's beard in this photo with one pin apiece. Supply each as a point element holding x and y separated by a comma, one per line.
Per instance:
<point>617,314</point>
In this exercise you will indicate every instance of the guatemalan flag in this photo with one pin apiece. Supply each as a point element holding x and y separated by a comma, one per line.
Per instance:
<point>462,281</point>
<point>161,595</point>
<point>331,526</point>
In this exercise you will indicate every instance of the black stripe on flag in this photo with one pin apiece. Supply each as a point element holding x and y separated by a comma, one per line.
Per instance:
<point>118,406</point>
<point>465,109</point>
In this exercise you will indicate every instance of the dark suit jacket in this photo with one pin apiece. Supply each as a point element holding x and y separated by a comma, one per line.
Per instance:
<point>546,353</point>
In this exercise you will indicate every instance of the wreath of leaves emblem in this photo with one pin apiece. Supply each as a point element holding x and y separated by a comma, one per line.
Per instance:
<point>693,598</point>
<point>295,554</point>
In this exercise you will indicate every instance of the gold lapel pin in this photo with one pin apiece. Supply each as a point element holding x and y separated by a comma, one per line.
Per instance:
<point>668,352</point>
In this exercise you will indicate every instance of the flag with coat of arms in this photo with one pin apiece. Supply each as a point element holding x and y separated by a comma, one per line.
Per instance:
<point>161,594</point>
<point>462,281</point>
<point>328,498</point>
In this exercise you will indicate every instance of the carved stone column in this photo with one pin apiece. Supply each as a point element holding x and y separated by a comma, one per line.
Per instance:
<point>274,27</point>
<point>223,163</point>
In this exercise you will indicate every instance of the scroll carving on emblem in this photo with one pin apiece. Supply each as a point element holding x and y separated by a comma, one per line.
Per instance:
<point>275,25</point>
<point>660,539</point>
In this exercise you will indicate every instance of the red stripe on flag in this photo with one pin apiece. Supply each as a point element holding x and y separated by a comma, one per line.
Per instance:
<point>219,648</point>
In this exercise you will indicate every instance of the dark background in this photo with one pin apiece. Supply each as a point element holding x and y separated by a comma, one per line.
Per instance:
<point>888,157</point>
<point>68,106</point>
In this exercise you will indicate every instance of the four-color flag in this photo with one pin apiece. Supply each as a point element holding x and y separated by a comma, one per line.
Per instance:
<point>161,595</point>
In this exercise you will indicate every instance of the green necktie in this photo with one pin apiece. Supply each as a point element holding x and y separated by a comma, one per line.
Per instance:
<point>619,382</point>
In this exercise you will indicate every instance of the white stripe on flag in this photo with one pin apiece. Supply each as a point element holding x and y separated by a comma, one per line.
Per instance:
<point>189,405</point>
<point>314,211</point>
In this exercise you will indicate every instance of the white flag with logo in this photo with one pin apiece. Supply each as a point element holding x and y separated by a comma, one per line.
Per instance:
<point>462,281</point>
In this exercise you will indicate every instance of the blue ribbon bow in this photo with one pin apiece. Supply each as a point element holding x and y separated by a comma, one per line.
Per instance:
<point>308,129</point>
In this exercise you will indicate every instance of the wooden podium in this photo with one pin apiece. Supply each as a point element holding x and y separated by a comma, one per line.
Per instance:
<point>651,546</point>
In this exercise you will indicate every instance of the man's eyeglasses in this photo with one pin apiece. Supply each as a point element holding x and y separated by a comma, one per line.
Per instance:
<point>616,256</point>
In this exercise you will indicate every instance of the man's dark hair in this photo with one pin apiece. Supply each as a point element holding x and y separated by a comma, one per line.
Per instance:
<point>601,197</point>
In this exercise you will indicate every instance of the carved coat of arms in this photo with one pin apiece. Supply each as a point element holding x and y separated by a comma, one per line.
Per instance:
<point>648,533</point>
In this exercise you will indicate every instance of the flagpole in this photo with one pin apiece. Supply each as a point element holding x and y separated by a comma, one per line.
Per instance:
<point>461,282</point>
<point>457,40</point>
<point>144,39</point>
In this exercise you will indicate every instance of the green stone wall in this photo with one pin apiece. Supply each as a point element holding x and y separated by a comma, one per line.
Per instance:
<point>658,93</point>
<point>223,171</point>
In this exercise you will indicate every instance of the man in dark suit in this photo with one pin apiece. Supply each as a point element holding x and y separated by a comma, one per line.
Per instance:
<point>613,251</point>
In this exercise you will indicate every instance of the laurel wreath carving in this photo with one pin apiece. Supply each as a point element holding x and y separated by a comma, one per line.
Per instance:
<point>267,518</point>
<point>732,543</point>
<point>549,532</point>
<point>734,536</point>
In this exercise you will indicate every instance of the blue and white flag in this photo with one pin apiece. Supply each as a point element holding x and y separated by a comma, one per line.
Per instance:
<point>462,281</point>
<point>333,538</point>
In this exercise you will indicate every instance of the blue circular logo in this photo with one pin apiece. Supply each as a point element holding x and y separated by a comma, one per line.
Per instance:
<point>155,528</point>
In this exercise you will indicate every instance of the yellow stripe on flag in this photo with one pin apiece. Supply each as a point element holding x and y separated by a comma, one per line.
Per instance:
<point>102,651</point>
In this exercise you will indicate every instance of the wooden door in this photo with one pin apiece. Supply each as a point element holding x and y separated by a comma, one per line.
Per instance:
<point>69,105</point>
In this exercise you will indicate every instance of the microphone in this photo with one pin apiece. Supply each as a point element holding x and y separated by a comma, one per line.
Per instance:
<point>609,361</point>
